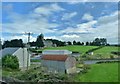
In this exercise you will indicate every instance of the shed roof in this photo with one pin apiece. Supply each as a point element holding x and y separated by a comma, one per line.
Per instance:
<point>56,52</point>
<point>6,51</point>
<point>55,57</point>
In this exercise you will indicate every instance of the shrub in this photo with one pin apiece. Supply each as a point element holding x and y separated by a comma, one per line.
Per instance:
<point>86,66</point>
<point>10,61</point>
<point>63,77</point>
<point>111,57</point>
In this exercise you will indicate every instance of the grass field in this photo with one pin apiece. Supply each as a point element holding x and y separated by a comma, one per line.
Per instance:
<point>106,51</point>
<point>81,49</point>
<point>100,73</point>
<point>101,53</point>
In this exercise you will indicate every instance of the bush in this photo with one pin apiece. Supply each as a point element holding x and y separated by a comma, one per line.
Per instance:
<point>86,66</point>
<point>111,57</point>
<point>10,61</point>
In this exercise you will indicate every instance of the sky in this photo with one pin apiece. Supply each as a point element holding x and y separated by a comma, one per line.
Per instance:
<point>66,21</point>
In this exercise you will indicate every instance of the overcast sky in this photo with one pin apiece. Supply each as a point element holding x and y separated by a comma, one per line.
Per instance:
<point>66,21</point>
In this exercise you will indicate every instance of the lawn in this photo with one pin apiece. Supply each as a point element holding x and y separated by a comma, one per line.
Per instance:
<point>100,73</point>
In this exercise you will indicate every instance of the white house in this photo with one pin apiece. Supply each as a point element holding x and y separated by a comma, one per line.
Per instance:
<point>21,53</point>
<point>58,61</point>
<point>48,43</point>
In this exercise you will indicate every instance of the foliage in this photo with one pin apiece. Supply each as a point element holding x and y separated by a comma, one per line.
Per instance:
<point>13,43</point>
<point>77,43</point>
<point>32,43</point>
<point>87,43</point>
<point>36,74</point>
<point>69,43</point>
<point>111,56</point>
<point>74,42</point>
<point>39,41</point>
<point>10,61</point>
<point>100,41</point>
<point>0,44</point>
<point>116,53</point>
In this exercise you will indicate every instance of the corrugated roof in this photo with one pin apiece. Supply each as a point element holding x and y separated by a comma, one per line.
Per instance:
<point>56,52</point>
<point>55,57</point>
<point>6,51</point>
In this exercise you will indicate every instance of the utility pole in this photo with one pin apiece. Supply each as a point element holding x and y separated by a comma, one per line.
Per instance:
<point>28,47</point>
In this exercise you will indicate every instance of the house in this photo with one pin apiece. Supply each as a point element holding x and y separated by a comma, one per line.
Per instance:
<point>54,45</point>
<point>21,53</point>
<point>48,43</point>
<point>58,61</point>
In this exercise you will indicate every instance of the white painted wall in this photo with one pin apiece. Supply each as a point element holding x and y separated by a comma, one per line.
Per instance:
<point>22,54</point>
<point>70,65</point>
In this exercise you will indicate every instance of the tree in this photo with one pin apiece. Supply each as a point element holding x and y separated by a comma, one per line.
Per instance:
<point>99,41</point>
<point>33,43</point>
<point>13,43</point>
<point>87,43</point>
<point>103,41</point>
<point>74,42</point>
<point>10,61</point>
<point>91,43</point>
<point>0,44</point>
<point>17,43</point>
<point>69,43</point>
<point>39,41</point>
<point>82,43</point>
<point>6,44</point>
<point>78,43</point>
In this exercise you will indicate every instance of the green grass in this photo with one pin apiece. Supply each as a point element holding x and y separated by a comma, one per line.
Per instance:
<point>106,51</point>
<point>100,73</point>
<point>77,48</point>
<point>35,60</point>
<point>101,53</point>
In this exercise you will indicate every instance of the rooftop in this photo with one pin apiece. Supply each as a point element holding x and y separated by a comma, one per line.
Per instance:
<point>55,57</point>
<point>9,50</point>
<point>56,52</point>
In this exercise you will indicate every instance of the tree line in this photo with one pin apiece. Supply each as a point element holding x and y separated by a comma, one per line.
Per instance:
<point>96,42</point>
<point>40,42</point>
